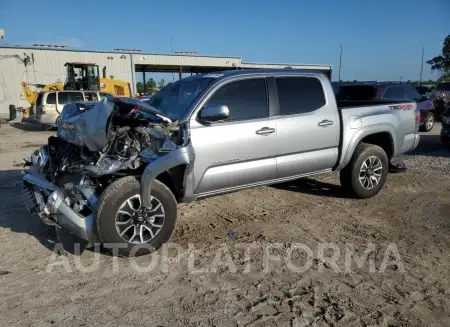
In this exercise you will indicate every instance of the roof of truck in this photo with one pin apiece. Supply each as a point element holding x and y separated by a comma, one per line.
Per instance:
<point>227,73</point>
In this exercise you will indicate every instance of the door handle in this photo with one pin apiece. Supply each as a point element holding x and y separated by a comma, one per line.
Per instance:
<point>325,123</point>
<point>265,131</point>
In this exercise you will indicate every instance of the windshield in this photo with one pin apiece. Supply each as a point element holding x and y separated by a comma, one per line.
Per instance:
<point>175,98</point>
<point>443,87</point>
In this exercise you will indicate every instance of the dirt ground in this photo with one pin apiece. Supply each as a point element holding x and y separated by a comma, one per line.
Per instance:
<point>405,230</point>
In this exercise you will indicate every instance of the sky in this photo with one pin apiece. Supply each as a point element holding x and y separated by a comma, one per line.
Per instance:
<point>382,40</point>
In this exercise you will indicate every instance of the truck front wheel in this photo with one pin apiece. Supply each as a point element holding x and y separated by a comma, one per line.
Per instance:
<point>123,221</point>
<point>366,172</point>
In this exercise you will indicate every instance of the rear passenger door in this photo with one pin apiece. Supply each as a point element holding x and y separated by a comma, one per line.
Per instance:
<point>307,127</point>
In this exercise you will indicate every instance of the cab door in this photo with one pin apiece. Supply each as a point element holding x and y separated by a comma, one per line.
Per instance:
<point>308,126</point>
<point>239,151</point>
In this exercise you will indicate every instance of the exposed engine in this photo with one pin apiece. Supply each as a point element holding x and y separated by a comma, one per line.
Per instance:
<point>96,144</point>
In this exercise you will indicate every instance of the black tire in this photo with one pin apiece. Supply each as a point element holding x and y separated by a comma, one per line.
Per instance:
<point>428,122</point>
<point>12,112</point>
<point>116,194</point>
<point>350,175</point>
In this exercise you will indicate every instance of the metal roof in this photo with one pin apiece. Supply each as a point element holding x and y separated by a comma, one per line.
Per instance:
<point>109,52</point>
<point>112,52</point>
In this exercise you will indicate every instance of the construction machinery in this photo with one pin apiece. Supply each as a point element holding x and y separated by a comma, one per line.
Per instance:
<point>80,76</point>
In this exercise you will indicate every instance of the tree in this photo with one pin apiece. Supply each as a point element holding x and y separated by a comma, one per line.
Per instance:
<point>161,83</point>
<point>442,63</point>
<point>151,85</point>
<point>140,87</point>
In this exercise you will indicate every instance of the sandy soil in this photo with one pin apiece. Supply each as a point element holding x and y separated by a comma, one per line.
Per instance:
<point>410,215</point>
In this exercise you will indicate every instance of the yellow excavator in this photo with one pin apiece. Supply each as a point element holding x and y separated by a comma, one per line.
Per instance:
<point>80,76</point>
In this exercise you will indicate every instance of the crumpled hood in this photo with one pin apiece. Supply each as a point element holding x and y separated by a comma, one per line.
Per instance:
<point>86,123</point>
<point>143,106</point>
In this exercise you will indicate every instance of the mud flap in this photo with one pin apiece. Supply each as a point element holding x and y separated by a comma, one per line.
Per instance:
<point>397,167</point>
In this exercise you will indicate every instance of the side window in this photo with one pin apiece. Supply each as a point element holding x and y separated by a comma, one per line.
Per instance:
<point>119,90</point>
<point>90,96</point>
<point>246,99</point>
<point>69,97</point>
<point>51,98</point>
<point>395,93</point>
<point>76,96</point>
<point>63,98</point>
<point>298,95</point>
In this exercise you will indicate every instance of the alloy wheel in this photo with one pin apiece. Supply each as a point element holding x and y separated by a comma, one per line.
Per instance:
<point>370,172</point>
<point>138,224</point>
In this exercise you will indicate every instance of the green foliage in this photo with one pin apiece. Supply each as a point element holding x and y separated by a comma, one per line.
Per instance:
<point>161,83</point>
<point>441,63</point>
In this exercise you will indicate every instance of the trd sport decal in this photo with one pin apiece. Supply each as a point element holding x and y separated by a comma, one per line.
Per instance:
<point>402,107</point>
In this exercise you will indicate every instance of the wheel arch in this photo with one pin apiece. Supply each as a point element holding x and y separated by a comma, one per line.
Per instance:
<point>168,169</point>
<point>381,136</point>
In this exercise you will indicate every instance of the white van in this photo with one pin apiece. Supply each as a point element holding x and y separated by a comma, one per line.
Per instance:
<point>49,104</point>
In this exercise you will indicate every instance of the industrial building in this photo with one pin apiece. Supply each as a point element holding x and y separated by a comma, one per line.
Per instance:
<point>45,65</point>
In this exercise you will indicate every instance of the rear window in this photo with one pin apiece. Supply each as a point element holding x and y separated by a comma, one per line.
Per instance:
<point>443,87</point>
<point>357,92</point>
<point>395,93</point>
<point>51,98</point>
<point>412,93</point>
<point>298,95</point>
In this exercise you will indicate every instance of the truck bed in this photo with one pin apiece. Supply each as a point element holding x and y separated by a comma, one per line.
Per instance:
<point>371,117</point>
<point>343,104</point>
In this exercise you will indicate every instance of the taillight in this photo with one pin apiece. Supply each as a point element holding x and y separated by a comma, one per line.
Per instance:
<point>417,117</point>
<point>417,114</point>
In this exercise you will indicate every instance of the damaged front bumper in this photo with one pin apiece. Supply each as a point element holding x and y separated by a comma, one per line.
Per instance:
<point>47,201</point>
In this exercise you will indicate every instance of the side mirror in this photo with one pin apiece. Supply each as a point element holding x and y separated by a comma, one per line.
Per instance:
<point>213,113</point>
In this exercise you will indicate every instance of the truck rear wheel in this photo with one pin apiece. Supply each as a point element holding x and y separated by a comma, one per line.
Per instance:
<point>366,172</point>
<point>122,221</point>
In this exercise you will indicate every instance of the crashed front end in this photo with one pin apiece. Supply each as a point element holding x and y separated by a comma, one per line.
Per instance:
<point>97,143</point>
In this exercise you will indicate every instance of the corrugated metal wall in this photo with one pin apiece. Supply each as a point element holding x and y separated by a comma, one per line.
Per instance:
<point>47,66</point>
<point>44,66</point>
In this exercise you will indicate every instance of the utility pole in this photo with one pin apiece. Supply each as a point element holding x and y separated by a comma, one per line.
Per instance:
<point>421,66</point>
<point>340,64</point>
<point>171,46</point>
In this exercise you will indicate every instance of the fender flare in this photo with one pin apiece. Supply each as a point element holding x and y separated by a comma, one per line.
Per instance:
<point>360,135</point>
<point>172,159</point>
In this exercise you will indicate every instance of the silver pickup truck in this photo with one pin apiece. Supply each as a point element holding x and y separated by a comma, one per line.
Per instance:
<point>118,167</point>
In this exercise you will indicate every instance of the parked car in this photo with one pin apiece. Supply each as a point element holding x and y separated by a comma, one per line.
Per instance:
<point>116,170</point>
<point>424,91</point>
<point>391,91</point>
<point>50,104</point>
<point>445,130</point>
<point>439,96</point>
